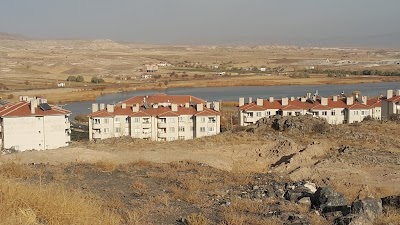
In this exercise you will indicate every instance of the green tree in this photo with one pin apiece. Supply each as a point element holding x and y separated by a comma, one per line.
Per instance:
<point>71,78</point>
<point>80,79</point>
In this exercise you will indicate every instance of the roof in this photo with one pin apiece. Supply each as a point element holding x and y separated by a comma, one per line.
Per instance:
<point>395,99</point>
<point>163,98</point>
<point>23,109</point>
<point>358,105</point>
<point>374,102</point>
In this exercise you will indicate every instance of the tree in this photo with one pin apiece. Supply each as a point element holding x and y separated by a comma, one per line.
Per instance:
<point>71,78</point>
<point>80,79</point>
<point>97,80</point>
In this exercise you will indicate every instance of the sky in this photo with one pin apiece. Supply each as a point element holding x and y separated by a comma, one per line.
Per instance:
<point>206,21</point>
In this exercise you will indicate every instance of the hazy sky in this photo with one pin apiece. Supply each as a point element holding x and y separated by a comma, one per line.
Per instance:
<point>200,21</point>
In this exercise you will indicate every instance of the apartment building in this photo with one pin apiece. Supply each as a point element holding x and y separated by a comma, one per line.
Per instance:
<point>391,104</point>
<point>336,109</point>
<point>32,124</point>
<point>158,117</point>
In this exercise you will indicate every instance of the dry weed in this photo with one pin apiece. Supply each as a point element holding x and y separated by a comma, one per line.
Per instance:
<point>139,186</point>
<point>197,219</point>
<point>391,216</point>
<point>105,166</point>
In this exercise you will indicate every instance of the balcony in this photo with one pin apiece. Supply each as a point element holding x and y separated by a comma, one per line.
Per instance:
<point>249,119</point>
<point>96,135</point>
<point>146,125</point>
<point>146,135</point>
<point>96,126</point>
<point>162,134</point>
<point>162,125</point>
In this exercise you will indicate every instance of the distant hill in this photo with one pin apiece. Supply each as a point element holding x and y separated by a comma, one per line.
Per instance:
<point>8,36</point>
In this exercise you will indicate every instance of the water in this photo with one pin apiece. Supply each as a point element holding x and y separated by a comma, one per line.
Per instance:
<point>233,93</point>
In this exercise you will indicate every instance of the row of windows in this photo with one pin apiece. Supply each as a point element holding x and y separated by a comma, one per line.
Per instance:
<point>162,120</point>
<point>106,120</point>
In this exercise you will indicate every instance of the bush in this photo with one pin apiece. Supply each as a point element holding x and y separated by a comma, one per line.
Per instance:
<point>81,118</point>
<point>97,80</point>
<point>71,78</point>
<point>394,117</point>
<point>79,79</point>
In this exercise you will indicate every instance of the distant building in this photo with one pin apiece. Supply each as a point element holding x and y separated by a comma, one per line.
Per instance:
<point>391,104</point>
<point>150,68</point>
<point>32,124</point>
<point>158,117</point>
<point>146,76</point>
<point>262,69</point>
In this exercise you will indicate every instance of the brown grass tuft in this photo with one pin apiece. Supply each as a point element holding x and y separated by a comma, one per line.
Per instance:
<point>105,166</point>
<point>197,219</point>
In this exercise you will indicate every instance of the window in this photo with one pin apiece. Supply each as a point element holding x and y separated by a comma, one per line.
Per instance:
<point>362,113</point>
<point>146,120</point>
<point>258,114</point>
<point>324,113</point>
<point>96,121</point>
<point>250,114</point>
<point>181,119</point>
<point>172,129</point>
<point>137,130</point>
<point>118,130</point>
<point>315,113</point>
<point>289,113</point>
<point>172,120</point>
<point>171,138</point>
<point>181,129</point>
<point>355,113</point>
<point>181,137</point>
<point>106,130</point>
<point>127,120</point>
<point>268,113</point>
<point>105,120</point>
<point>202,119</point>
<point>202,129</point>
<point>137,120</point>
<point>211,129</point>
<point>333,113</point>
<point>116,120</point>
<point>211,119</point>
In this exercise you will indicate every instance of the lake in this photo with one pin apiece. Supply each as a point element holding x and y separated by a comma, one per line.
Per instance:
<point>233,93</point>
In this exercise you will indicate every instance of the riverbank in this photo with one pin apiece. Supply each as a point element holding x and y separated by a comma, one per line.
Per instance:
<point>80,94</point>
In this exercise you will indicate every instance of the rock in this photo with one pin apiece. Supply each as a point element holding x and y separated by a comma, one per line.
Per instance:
<point>327,197</point>
<point>370,207</point>
<point>294,219</point>
<point>305,201</point>
<point>311,187</point>
<point>293,196</point>
<point>353,219</point>
<point>391,201</point>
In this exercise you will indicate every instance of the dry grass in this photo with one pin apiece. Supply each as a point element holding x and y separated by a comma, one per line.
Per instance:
<point>105,166</point>
<point>31,204</point>
<point>140,186</point>
<point>391,216</point>
<point>197,219</point>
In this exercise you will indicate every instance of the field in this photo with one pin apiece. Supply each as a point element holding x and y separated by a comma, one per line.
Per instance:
<point>131,181</point>
<point>35,67</point>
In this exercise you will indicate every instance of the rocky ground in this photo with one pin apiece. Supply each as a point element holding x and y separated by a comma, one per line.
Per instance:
<point>296,170</point>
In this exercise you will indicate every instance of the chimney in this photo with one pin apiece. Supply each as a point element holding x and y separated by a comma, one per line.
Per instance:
<point>95,107</point>
<point>33,105</point>
<point>324,101</point>
<point>102,106</point>
<point>217,106</point>
<point>135,108</point>
<point>250,99</point>
<point>364,99</point>
<point>271,99</point>
<point>292,99</point>
<point>187,105</point>
<point>241,101</point>
<point>335,98</point>
<point>199,107</point>
<point>208,105</point>
<point>20,98</point>
<point>110,108</point>
<point>123,105</point>
<point>309,95</point>
<point>303,99</point>
<point>260,102</point>
<point>174,107</point>
<point>349,100</point>
<point>285,101</point>
<point>389,94</point>
<point>155,106</point>
<point>398,92</point>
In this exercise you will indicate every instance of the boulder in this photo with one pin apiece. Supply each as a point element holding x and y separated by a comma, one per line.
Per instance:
<point>370,207</point>
<point>312,188</point>
<point>293,196</point>
<point>353,219</point>
<point>305,201</point>
<point>327,197</point>
<point>391,201</point>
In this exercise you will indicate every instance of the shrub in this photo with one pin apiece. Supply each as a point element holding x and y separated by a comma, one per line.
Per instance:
<point>394,117</point>
<point>71,78</point>
<point>97,80</point>
<point>79,79</point>
<point>81,118</point>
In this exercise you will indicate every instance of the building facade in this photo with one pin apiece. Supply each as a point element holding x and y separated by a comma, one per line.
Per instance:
<point>158,117</point>
<point>336,109</point>
<point>32,124</point>
<point>391,104</point>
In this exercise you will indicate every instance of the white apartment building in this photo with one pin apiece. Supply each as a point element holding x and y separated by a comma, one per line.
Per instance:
<point>158,117</point>
<point>336,110</point>
<point>391,104</point>
<point>32,124</point>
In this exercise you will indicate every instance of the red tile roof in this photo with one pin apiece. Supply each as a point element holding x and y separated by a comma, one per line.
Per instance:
<point>22,109</point>
<point>374,102</point>
<point>358,105</point>
<point>395,99</point>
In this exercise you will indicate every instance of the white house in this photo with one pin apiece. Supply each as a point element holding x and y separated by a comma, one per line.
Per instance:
<point>32,124</point>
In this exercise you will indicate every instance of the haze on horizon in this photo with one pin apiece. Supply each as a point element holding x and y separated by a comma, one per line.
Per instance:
<point>367,23</point>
